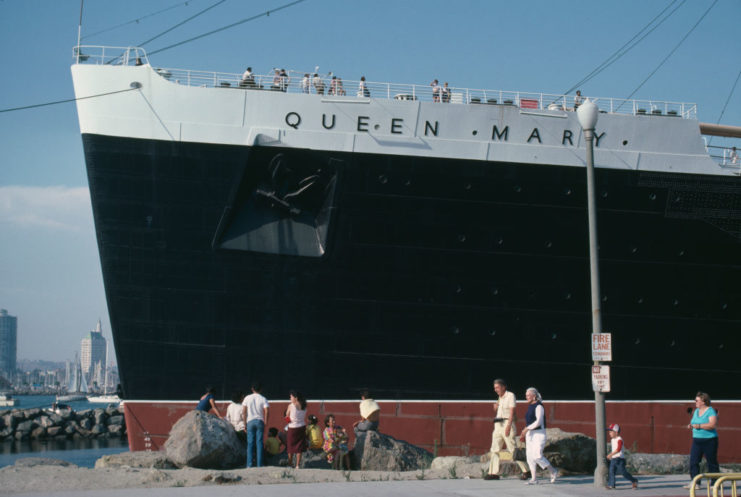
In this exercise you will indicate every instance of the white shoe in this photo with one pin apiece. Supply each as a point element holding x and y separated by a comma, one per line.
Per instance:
<point>531,482</point>
<point>554,476</point>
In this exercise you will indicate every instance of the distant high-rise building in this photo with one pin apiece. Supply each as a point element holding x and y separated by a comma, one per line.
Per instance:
<point>8,343</point>
<point>92,352</point>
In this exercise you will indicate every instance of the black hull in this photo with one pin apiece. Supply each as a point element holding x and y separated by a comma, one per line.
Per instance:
<point>417,278</point>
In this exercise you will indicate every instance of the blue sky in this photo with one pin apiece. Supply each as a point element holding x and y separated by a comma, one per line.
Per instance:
<point>49,267</point>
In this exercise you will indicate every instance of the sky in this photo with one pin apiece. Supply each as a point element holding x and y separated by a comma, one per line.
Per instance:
<point>50,274</point>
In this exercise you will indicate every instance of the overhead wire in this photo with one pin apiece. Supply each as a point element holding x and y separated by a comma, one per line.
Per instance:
<point>138,19</point>
<point>66,100</point>
<point>216,4</point>
<point>672,51</point>
<point>733,89</point>
<point>617,54</point>
<point>224,28</point>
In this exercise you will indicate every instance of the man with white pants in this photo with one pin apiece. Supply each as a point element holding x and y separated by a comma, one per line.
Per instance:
<point>504,430</point>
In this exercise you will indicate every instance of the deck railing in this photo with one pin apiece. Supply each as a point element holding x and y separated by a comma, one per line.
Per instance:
<point>338,88</point>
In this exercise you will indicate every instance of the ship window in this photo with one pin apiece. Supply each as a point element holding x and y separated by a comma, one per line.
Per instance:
<point>461,238</point>
<point>474,132</point>
<point>652,196</point>
<point>492,333</point>
<point>548,244</point>
<point>625,142</point>
<point>383,179</point>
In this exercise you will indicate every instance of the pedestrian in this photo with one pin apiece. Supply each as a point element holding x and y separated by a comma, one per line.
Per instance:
<point>255,409</point>
<point>704,436</point>
<point>284,80</point>
<point>445,93</point>
<point>234,414</point>
<point>318,84</point>
<point>505,430</point>
<point>577,99</point>
<point>435,90</point>
<point>296,436</point>
<point>370,413</point>
<point>617,458</point>
<point>534,434</point>
<point>363,90</point>
<point>306,83</point>
<point>207,403</point>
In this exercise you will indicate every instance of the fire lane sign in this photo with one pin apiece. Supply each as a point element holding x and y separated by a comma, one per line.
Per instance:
<point>602,347</point>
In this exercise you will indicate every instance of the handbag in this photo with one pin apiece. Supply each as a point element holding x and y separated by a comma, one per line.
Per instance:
<point>519,454</point>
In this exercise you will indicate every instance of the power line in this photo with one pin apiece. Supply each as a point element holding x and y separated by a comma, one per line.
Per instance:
<point>672,51</point>
<point>733,88</point>
<point>66,101</point>
<point>137,19</point>
<point>183,22</point>
<point>617,54</point>
<point>264,14</point>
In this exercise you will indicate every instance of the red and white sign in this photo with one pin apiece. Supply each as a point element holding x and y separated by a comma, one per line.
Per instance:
<point>602,346</point>
<point>601,378</point>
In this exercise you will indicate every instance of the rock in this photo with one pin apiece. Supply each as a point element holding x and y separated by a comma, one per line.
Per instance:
<point>32,413</point>
<point>115,420</point>
<point>657,464</point>
<point>39,432</point>
<point>464,467</point>
<point>70,429</point>
<point>86,413</point>
<point>56,418</point>
<point>45,421</point>
<point>99,416</point>
<point>98,429</point>
<point>29,462</point>
<point>204,441</point>
<point>112,411</point>
<point>7,432</point>
<point>115,429</point>
<point>311,459</point>
<point>53,431</point>
<point>86,423</point>
<point>10,421</point>
<point>139,459</point>
<point>375,451</point>
<point>25,426</point>
<point>570,452</point>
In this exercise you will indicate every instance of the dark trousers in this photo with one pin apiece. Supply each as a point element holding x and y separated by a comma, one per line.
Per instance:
<point>707,447</point>
<point>617,465</point>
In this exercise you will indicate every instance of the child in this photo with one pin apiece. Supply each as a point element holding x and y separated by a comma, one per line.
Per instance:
<point>273,443</point>
<point>617,459</point>
<point>235,416</point>
<point>314,433</point>
<point>335,443</point>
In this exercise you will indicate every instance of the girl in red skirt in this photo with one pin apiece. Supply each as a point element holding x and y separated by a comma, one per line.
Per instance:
<point>296,436</point>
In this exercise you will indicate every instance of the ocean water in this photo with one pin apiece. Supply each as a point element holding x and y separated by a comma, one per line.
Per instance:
<point>83,453</point>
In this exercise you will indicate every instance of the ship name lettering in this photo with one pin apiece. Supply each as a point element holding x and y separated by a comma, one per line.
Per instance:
<point>363,123</point>
<point>495,134</point>
<point>396,125</point>
<point>324,121</point>
<point>535,134</point>
<point>597,138</point>
<point>567,134</point>
<point>293,119</point>
<point>429,127</point>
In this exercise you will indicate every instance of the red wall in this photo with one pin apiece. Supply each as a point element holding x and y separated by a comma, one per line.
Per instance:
<point>464,427</point>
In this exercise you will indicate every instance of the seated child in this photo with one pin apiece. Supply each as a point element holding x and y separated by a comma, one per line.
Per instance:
<point>273,443</point>
<point>335,443</point>
<point>314,433</point>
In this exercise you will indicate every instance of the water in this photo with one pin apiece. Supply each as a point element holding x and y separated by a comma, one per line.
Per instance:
<point>83,453</point>
<point>43,401</point>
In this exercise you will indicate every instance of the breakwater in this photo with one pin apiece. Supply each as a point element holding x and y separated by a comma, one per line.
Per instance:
<point>46,424</point>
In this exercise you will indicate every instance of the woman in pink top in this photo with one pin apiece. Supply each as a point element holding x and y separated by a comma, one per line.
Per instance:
<point>296,436</point>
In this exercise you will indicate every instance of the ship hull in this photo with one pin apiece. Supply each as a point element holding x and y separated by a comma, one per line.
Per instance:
<point>416,277</point>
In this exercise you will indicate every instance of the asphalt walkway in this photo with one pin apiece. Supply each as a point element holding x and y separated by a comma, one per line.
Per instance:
<point>573,486</point>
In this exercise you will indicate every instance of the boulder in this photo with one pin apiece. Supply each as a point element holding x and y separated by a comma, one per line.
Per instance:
<point>39,432</point>
<point>463,467</point>
<point>115,429</point>
<point>204,441</point>
<point>570,452</point>
<point>86,423</point>
<point>115,420</point>
<point>32,413</point>
<point>26,426</point>
<point>139,459</point>
<point>45,421</point>
<point>53,431</point>
<point>375,451</point>
<point>311,459</point>
<point>99,416</point>
<point>98,429</point>
<point>657,464</point>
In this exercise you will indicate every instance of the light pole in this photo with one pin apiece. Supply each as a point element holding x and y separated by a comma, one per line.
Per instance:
<point>588,114</point>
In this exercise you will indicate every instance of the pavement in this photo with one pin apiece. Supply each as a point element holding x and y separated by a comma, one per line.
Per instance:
<point>572,486</point>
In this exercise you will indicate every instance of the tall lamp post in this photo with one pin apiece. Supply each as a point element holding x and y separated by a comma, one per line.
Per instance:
<point>588,114</point>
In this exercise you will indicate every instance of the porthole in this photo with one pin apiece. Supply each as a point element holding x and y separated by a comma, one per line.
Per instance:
<point>377,127</point>
<point>652,196</point>
<point>634,250</point>
<point>554,336</point>
<point>548,244</point>
<point>625,142</point>
<point>605,194</point>
<point>637,341</point>
<point>500,241</point>
<point>604,298</point>
<point>495,291</point>
<point>675,303</point>
<point>680,253</point>
<point>518,188</point>
<point>474,132</point>
<point>467,186</point>
<point>461,238</point>
<point>567,191</point>
<point>455,330</point>
<point>383,179</point>
<point>724,306</point>
<point>567,296</point>
<point>458,289</point>
<point>639,300</point>
<point>492,333</point>
<point>407,182</point>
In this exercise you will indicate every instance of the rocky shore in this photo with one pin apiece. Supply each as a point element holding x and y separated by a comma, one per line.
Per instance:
<point>42,424</point>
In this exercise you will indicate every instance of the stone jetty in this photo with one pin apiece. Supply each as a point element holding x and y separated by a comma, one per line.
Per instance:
<point>42,424</point>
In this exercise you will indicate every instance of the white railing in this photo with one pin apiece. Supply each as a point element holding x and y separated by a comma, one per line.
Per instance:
<point>90,54</point>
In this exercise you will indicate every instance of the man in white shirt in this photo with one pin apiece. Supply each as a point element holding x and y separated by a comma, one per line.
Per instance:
<point>255,412</point>
<point>504,430</point>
